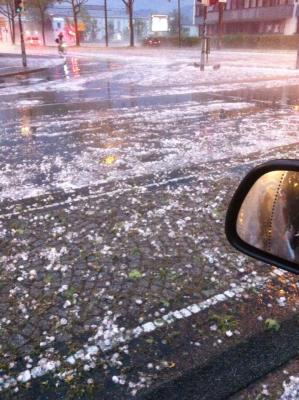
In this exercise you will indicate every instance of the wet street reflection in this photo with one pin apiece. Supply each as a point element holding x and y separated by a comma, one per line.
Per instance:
<point>87,110</point>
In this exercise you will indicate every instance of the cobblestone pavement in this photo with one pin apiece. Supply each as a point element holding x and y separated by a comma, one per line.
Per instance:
<point>87,269</point>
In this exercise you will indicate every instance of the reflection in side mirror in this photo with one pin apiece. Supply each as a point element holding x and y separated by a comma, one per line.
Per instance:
<point>268,218</point>
<point>263,217</point>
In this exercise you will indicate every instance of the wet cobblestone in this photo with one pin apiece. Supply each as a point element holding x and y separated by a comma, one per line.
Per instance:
<point>93,280</point>
<point>112,256</point>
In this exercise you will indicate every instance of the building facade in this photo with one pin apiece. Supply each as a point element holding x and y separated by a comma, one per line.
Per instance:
<point>251,17</point>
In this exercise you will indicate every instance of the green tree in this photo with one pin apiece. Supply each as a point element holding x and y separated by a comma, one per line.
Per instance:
<point>41,7</point>
<point>7,8</point>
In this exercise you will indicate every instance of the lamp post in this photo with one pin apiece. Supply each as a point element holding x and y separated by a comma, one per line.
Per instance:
<point>220,22</point>
<point>179,22</point>
<point>106,23</point>
<point>24,57</point>
<point>204,39</point>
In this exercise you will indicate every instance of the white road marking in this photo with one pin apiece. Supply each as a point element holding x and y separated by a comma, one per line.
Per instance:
<point>109,336</point>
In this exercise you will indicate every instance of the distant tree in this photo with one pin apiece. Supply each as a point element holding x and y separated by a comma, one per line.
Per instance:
<point>41,7</point>
<point>76,8</point>
<point>7,8</point>
<point>111,28</point>
<point>130,10</point>
<point>91,26</point>
<point>93,30</point>
<point>173,21</point>
<point>140,26</point>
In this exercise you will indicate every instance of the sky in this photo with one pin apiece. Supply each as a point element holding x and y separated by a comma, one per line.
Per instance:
<point>155,5</point>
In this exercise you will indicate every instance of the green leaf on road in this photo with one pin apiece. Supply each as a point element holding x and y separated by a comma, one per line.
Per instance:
<point>135,274</point>
<point>272,324</point>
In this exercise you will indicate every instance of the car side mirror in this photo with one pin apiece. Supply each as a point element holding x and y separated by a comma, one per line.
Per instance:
<point>262,220</point>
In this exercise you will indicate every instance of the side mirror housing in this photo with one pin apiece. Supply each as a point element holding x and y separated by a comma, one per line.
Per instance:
<point>262,220</point>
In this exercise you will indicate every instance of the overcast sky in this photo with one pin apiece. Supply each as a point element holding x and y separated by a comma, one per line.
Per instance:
<point>155,5</point>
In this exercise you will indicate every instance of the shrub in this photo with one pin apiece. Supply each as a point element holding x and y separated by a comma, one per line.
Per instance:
<point>279,42</point>
<point>239,41</point>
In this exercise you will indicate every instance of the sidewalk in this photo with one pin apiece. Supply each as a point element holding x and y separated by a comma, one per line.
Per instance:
<point>11,64</point>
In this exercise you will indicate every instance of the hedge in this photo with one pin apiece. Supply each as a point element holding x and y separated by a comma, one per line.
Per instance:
<point>241,41</point>
<point>279,42</point>
<point>173,41</point>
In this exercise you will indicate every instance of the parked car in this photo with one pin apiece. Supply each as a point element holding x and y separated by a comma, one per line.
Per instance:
<point>152,42</point>
<point>263,217</point>
<point>33,40</point>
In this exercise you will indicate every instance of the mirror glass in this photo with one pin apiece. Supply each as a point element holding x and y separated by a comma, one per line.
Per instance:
<point>269,216</point>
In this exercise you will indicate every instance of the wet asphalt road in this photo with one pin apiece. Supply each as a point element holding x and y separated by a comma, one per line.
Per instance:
<point>86,122</point>
<point>115,178</point>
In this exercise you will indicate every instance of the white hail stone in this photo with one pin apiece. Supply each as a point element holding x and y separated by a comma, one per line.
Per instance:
<point>148,327</point>
<point>137,331</point>
<point>229,293</point>
<point>67,304</point>
<point>24,376</point>
<point>177,315</point>
<point>71,360</point>
<point>220,297</point>
<point>186,313</point>
<point>92,350</point>
<point>194,308</point>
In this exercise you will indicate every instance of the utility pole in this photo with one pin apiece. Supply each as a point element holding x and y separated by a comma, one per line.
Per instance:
<point>179,22</point>
<point>106,23</point>
<point>204,39</point>
<point>220,22</point>
<point>18,10</point>
<point>23,49</point>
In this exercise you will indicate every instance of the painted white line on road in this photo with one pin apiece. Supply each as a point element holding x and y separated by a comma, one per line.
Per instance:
<point>94,195</point>
<point>109,336</point>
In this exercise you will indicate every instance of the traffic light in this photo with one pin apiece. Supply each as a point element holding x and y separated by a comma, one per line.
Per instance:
<point>19,6</point>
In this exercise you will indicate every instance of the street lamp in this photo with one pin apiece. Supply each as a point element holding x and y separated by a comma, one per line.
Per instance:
<point>106,23</point>
<point>179,22</point>
<point>221,6</point>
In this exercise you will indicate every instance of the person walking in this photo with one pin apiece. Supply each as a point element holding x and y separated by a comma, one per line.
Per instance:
<point>61,44</point>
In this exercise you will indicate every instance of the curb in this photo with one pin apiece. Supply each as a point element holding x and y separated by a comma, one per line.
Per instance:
<point>24,72</point>
<point>18,55</point>
<point>234,369</point>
